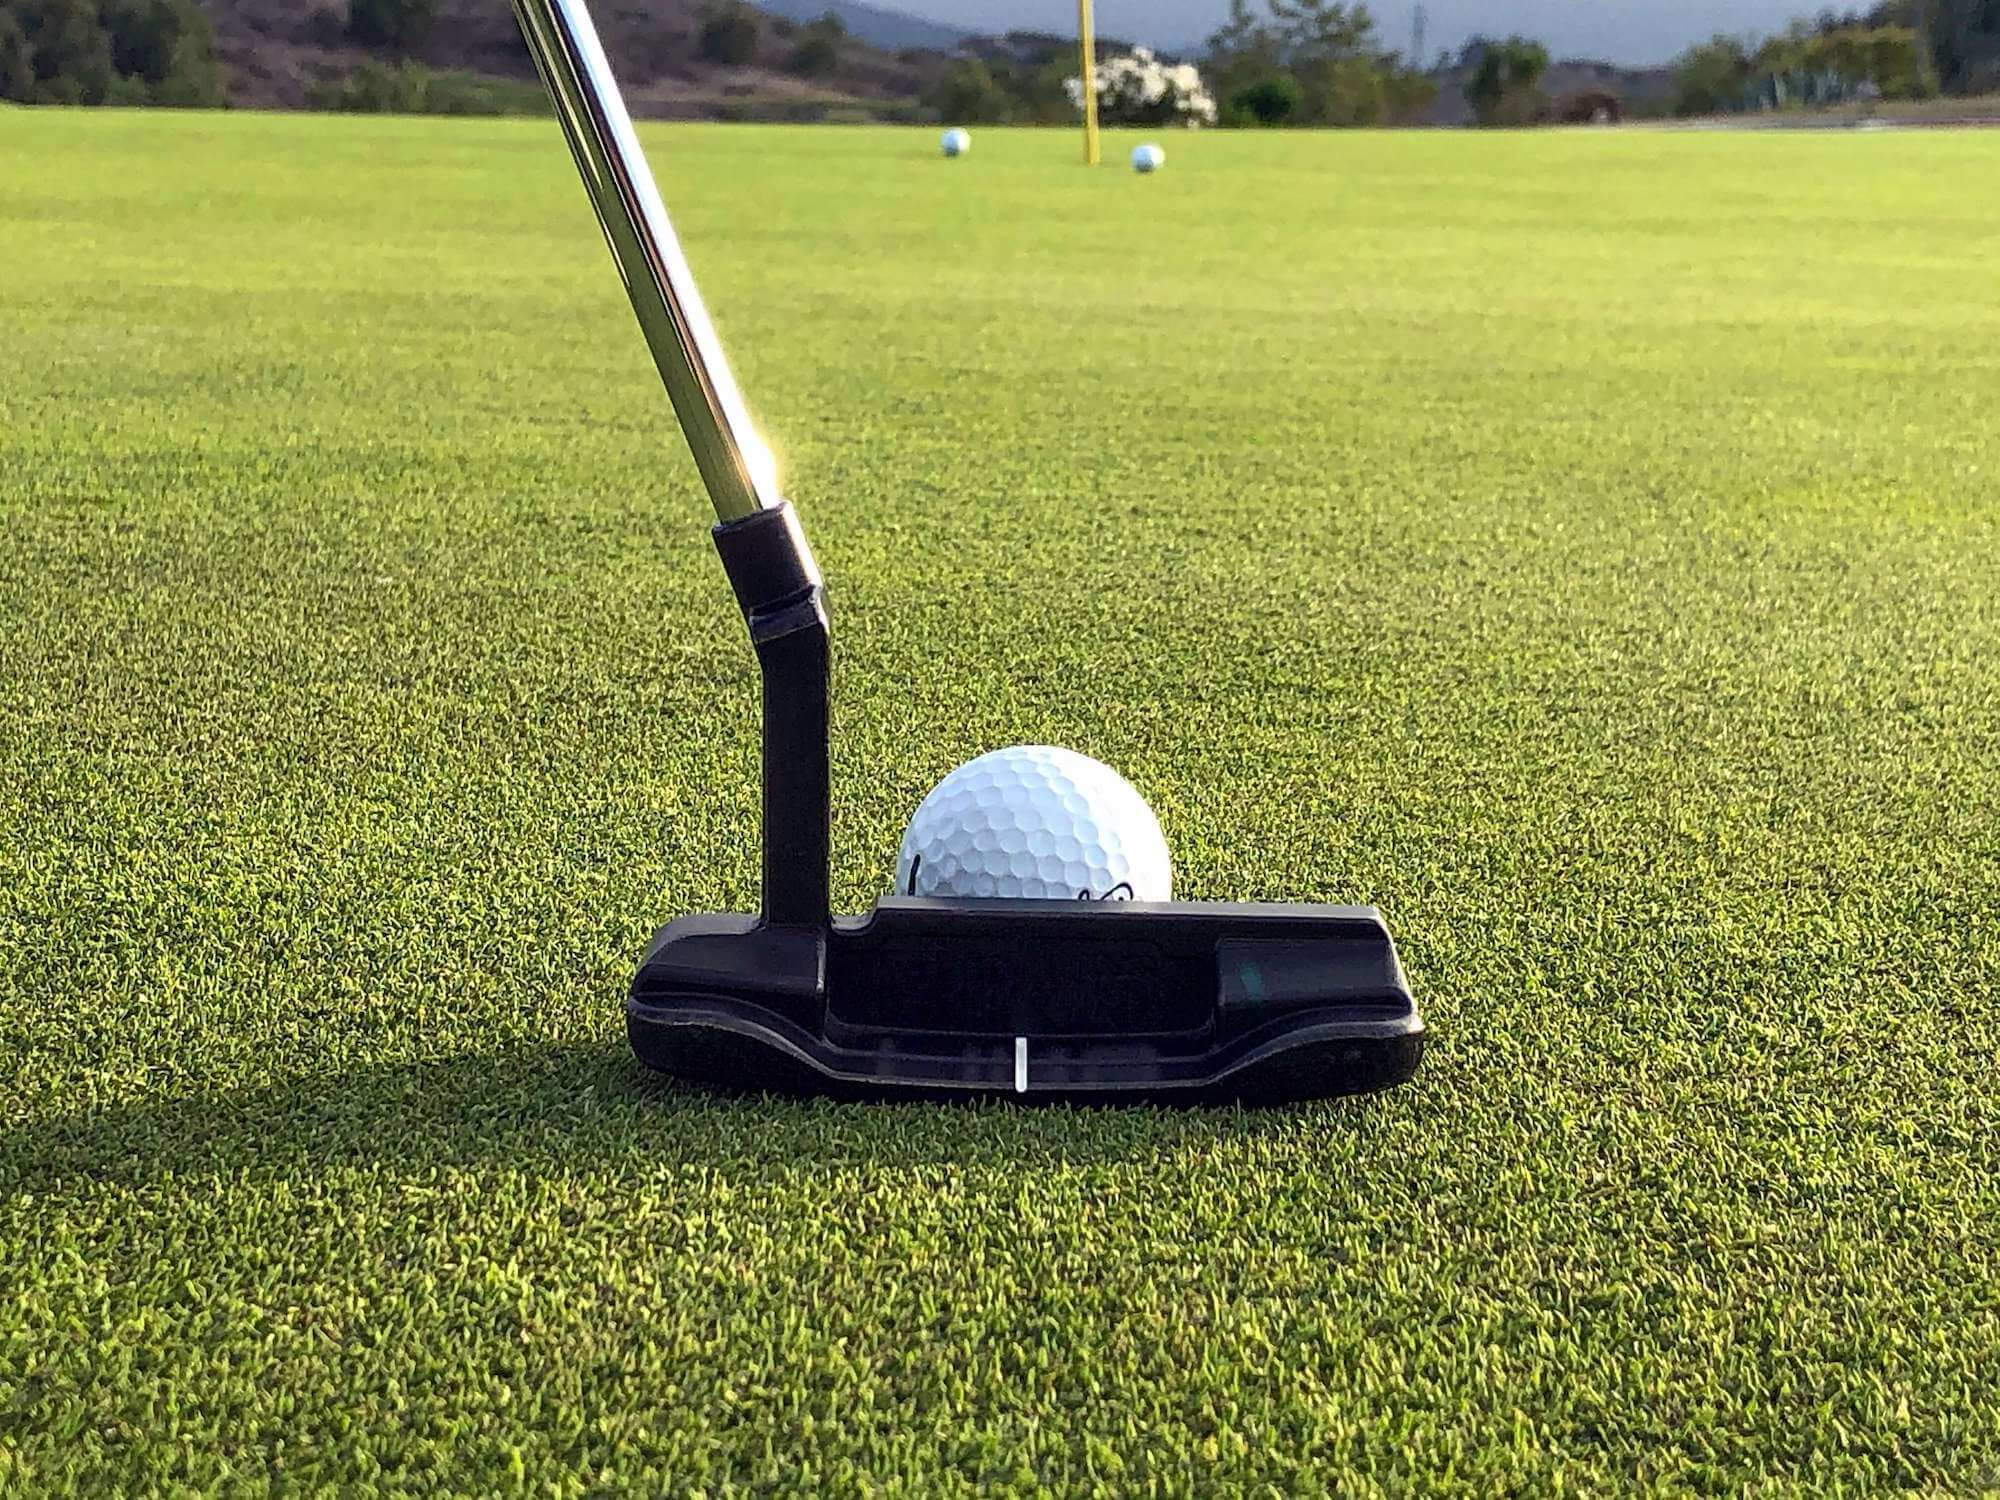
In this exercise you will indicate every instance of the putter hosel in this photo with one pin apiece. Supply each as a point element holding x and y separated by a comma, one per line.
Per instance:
<point>777,584</point>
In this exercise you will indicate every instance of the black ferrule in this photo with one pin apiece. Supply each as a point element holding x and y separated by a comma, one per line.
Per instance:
<point>768,562</point>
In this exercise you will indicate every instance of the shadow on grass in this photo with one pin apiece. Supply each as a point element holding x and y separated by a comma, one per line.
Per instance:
<point>582,1108</point>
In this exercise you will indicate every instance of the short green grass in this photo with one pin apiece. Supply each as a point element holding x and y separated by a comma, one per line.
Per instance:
<point>1584,546</point>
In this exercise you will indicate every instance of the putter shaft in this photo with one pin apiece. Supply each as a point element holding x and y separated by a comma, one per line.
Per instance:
<point>735,465</point>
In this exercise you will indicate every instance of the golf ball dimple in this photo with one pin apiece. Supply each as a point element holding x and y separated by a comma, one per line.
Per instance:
<point>1037,823</point>
<point>955,142</point>
<point>1148,158</point>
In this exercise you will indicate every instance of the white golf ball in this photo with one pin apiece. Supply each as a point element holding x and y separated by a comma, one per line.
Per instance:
<point>955,142</point>
<point>1148,158</point>
<point>1035,822</point>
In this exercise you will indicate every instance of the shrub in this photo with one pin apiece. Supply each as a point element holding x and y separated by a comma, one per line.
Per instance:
<point>410,88</point>
<point>455,92</point>
<point>127,93</point>
<point>728,35</point>
<point>1271,100</point>
<point>375,89</point>
<point>1136,88</point>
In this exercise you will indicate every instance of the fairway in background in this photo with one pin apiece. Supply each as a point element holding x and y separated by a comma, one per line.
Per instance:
<point>1580,544</point>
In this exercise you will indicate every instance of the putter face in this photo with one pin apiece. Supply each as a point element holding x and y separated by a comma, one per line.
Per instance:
<point>1180,1002</point>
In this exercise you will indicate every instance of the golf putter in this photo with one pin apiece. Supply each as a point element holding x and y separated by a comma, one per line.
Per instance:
<point>922,997</point>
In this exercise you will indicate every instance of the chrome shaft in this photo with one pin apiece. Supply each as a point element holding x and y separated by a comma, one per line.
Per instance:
<point>734,463</point>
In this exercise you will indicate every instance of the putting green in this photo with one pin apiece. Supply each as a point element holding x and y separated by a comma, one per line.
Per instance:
<point>1585,546</point>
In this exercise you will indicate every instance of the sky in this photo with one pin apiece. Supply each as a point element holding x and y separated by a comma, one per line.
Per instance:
<point>1624,31</point>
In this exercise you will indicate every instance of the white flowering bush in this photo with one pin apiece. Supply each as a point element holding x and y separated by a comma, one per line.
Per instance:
<point>1139,89</point>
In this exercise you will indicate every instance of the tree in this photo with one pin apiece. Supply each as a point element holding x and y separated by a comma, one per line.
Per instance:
<point>143,34</point>
<point>107,52</point>
<point>1900,63</point>
<point>970,95</point>
<point>1351,92</point>
<point>1887,59</point>
<point>818,49</point>
<point>1785,74</point>
<point>1326,50</point>
<point>1506,86</point>
<point>1713,77</point>
<point>1966,37</point>
<point>398,24</point>
<point>1828,64</point>
<point>728,35</point>
<point>1808,64</point>
<point>1042,92</point>
<point>72,55</point>
<point>167,46</point>
<point>17,60</point>
<point>194,73</point>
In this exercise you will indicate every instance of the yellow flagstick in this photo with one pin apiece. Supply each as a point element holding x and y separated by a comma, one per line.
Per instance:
<point>1087,39</point>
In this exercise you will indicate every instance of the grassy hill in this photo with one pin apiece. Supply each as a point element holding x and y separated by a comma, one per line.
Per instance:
<point>276,54</point>
<point>1585,545</point>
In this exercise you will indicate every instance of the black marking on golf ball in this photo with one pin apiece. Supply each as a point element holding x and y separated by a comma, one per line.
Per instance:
<point>1120,892</point>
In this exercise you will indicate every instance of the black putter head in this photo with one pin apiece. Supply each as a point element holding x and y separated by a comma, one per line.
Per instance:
<point>1104,1001</point>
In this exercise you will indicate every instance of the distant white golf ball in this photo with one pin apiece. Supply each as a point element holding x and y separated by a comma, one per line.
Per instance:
<point>1148,158</point>
<point>1035,822</point>
<point>955,142</point>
